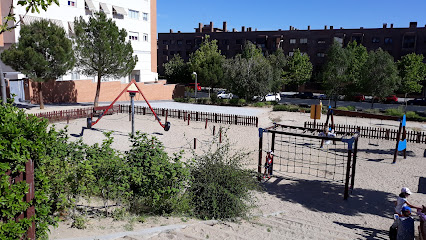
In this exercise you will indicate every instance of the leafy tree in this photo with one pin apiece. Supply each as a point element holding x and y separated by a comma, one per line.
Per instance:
<point>379,75</point>
<point>249,76</point>
<point>207,62</point>
<point>31,5</point>
<point>250,50</point>
<point>299,68</point>
<point>335,70</point>
<point>412,71</point>
<point>358,56</point>
<point>177,71</point>
<point>102,50</point>
<point>43,53</point>
<point>278,62</point>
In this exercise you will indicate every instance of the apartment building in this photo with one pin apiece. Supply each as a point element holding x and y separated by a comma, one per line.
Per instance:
<point>314,42</point>
<point>138,17</point>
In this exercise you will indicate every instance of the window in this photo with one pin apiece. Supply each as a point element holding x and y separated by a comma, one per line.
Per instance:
<point>303,40</point>
<point>145,16</point>
<point>145,37</point>
<point>321,54</point>
<point>321,41</point>
<point>409,41</point>
<point>75,75</point>
<point>375,40</point>
<point>339,40</point>
<point>388,40</point>
<point>188,42</point>
<point>357,38</point>
<point>179,42</point>
<point>133,14</point>
<point>293,41</point>
<point>71,3</point>
<point>134,36</point>
<point>290,54</point>
<point>172,42</point>
<point>165,42</point>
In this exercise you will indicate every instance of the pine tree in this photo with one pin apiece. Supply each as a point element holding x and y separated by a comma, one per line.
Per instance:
<point>43,53</point>
<point>101,49</point>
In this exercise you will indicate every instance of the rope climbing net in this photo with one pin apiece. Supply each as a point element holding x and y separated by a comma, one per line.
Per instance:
<point>298,150</point>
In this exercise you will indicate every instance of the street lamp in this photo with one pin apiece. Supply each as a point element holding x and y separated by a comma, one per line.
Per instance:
<point>196,85</point>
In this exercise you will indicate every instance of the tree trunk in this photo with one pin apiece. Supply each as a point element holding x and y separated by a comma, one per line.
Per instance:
<point>405,102</point>
<point>40,95</point>
<point>98,90</point>
<point>372,102</point>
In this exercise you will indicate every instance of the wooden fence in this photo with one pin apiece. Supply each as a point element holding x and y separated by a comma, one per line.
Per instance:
<point>372,132</point>
<point>27,176</point>
<point>194,115</point>
<point>63,115</point>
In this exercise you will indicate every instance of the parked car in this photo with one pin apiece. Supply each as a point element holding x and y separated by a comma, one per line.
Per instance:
<point>272,97</point>
<point>417,101</point>
<point>391,99</point>
<point>305,95</point>
<point>192,86</point>
<point>359,98</point>
<point>268,98</point>
<point>323,97</point>
<point>224,95</point>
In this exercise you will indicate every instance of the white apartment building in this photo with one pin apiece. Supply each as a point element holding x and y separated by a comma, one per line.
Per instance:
<point>138,17</point>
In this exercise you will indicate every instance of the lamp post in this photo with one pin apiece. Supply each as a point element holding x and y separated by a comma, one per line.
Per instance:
<point>196,85</point>
<point>132,90</point>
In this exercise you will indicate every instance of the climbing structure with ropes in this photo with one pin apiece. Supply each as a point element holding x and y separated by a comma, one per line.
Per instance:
<point>300,151</point>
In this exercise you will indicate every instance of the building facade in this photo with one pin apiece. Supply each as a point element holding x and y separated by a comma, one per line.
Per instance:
<point>314,42</point>
<point>138,17</point>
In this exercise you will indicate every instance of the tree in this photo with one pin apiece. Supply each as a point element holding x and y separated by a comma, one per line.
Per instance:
<point>31,5</point>
<point>207,62</point>
<point>43,53</point>
<point>177,71</point>
<point>357,56</point>
<point>9,22</point>
<point>101,49</point>
<point>249,76</point>
<point>278,62</point>
<point>412,71</point>
<point>299,68</point>
<point>335,71</point>
<point>379,75</point>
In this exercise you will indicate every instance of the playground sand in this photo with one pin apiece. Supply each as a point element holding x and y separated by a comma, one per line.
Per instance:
<point>367,213</point>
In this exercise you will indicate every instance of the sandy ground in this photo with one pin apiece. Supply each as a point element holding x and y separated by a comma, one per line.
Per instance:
<point>306,199</point>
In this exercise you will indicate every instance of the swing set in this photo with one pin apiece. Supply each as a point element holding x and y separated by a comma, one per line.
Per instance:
<point>90,123</point>
<point>401,141</point>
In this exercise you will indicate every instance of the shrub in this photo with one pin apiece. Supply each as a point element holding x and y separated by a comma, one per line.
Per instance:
<point>288,108</point>
<point>23,137</point>
<point>242,102</point>
<point>351,108</point>
<point>399,112</point>
<point>220,187</point>
<point>258,104</point>
<point>214,98</point>
<point>156,180</point>
<point>342,108</point>
<point>224,101</point>
<point>234,102</point>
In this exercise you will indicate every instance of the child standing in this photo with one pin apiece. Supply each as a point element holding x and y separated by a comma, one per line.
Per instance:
<point>405,225</point>
<point>268,164</point>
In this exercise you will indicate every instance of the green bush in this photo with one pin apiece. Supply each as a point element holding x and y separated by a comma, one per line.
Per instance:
<point>258,104</point>
<point>23,137</point>
<point>351,108</point>
<point>221,186</point>
<point>398,112</point>
<point>225,101</point>
<point>234,102</point>
<point>157,181</point>
<point>214,98</point>
<point>288,108</point>
<point>242,102</point>
<point>342,108</point>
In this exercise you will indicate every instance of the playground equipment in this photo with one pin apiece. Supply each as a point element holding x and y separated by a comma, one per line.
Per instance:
<point>401,141</point>
<point>298,150</point>
<point>135,89</point>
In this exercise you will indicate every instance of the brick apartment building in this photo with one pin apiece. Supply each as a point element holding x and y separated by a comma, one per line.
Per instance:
<point>314,42</point>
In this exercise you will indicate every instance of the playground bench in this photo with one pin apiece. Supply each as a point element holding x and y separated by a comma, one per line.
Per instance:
<point>97,111</point>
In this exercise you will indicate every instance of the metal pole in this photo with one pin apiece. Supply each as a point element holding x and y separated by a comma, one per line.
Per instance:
<point>132,95</point>
<point>3,87</point>
<point>196,85</point>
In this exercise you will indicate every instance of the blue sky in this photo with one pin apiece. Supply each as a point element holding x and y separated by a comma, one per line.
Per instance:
<point>184,15</point>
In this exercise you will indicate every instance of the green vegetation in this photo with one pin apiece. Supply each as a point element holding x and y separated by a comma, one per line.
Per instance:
<point>221,186</point>
<point>43,53</point>
<point>291,108</point>
<point>100,37</point>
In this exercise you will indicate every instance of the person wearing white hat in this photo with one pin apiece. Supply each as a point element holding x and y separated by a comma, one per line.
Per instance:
<point>401,201</point>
